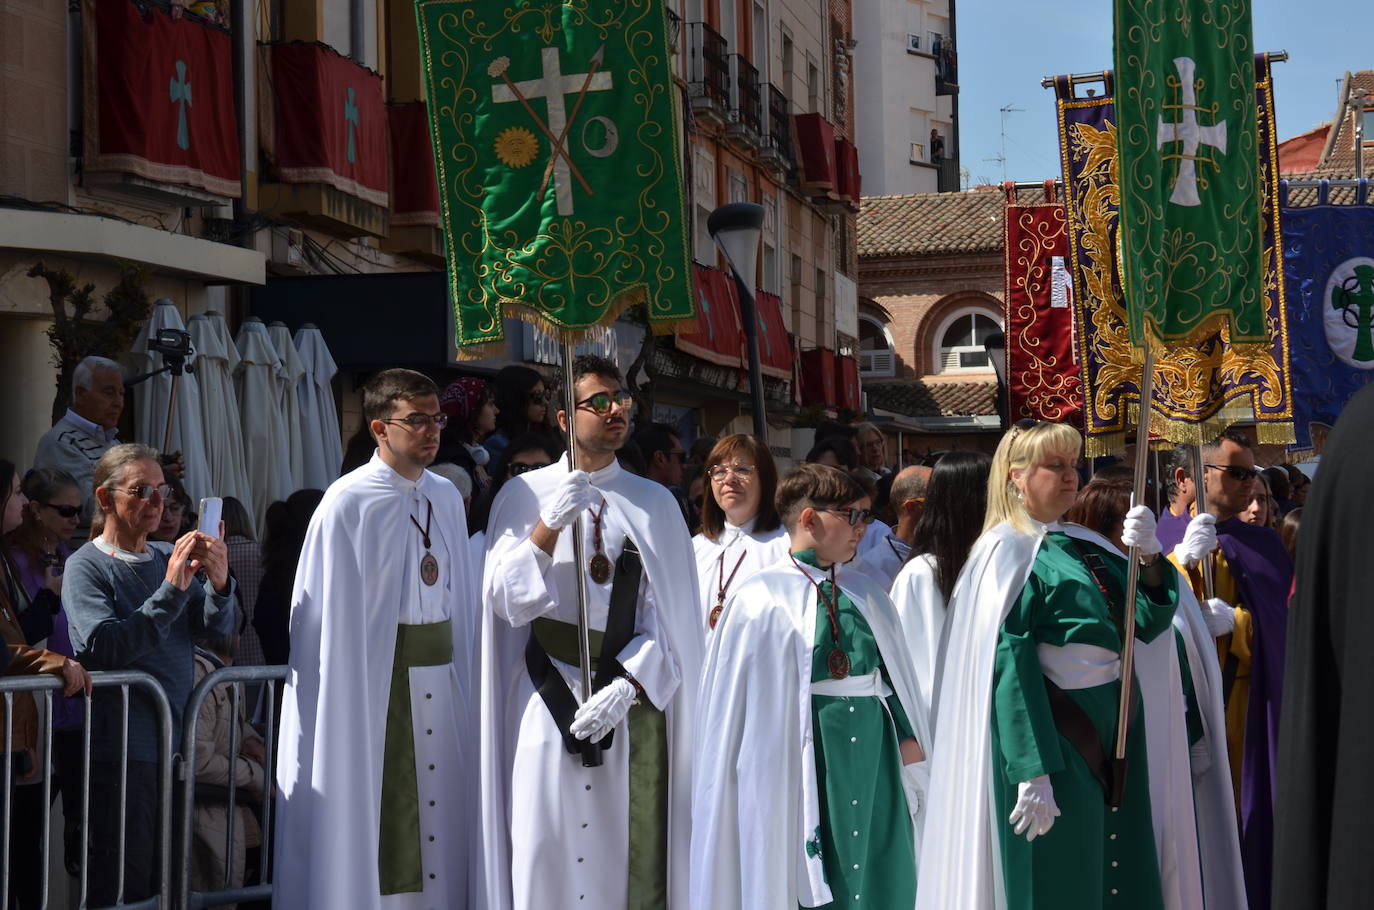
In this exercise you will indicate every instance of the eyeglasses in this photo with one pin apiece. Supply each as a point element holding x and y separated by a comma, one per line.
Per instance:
<point>146,491</point>
<point>64,511</point>
<point>720,472</point>
<point>1235,472</point>
<point>602,402</point>
<point>679,454</point>
<point>541,397</point>
<point>516,468</point>
<point>418,422</point>
<point>854,516</point>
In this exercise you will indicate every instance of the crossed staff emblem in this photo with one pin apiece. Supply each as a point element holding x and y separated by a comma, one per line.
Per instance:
<point>552,86</point>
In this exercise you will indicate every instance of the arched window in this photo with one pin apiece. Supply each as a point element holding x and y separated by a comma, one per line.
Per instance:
<point>959,342</point>
<point>876,357</point>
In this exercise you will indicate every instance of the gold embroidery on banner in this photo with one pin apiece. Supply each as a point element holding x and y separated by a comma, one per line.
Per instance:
<point>1050,393</point>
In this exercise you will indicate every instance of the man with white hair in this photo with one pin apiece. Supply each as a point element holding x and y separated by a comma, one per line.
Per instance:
<point>87,431</point>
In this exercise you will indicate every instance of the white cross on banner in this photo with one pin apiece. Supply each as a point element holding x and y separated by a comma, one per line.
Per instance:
<point>1190,133</point>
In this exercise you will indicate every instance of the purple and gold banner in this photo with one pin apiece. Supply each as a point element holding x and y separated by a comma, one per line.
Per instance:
<point>1199,390</point>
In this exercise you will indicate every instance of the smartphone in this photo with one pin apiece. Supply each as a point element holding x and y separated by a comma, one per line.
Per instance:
<point>211,508</point>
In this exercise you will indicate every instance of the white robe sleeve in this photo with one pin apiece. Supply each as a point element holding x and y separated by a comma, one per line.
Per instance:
<point>646,659</point>
<point>519,589</point>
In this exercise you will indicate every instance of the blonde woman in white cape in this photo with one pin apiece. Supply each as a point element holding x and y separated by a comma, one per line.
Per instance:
<point>740,529</point>
<point>1022,815</point>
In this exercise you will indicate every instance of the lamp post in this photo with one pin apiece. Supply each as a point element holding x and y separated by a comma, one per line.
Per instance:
<point>996,346</point>
<point>736,229</point>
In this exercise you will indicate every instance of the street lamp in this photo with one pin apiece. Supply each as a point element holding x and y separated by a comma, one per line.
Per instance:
<point>736,229</point>
<point>996,346</point>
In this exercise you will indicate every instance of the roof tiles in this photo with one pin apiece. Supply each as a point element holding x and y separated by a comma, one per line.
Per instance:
<point>931,223</point>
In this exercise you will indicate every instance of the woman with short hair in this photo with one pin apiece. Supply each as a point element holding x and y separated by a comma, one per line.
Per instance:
<point>740,529</point>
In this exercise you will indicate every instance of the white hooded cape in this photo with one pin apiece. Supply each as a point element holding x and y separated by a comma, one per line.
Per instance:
<point>657,529</point>
<point>346,606</point>
<point>755,798</point>
<point>962,867</point>
<point>921,609</point>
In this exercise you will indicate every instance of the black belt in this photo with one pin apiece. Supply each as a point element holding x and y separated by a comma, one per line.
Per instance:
<point>1074,724</point>
<point>548,637</point>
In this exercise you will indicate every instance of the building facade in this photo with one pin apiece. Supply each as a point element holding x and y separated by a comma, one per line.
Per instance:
<point>908,110</point>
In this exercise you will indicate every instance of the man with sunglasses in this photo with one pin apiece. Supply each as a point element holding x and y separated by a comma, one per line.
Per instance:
<point>378,757</point>
<point>664,457</point>
<point>1252,576</point>
<point>558,832</point>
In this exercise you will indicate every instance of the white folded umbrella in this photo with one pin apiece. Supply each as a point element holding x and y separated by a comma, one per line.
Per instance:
<point>319,416</point>
<point>288,391</point>
<point>216,360</point>
<point>265,442</point>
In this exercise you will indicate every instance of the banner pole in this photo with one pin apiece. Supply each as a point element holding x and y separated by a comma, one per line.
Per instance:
<point>1200,499</point>
<point>1142,449</point>
<point>591,752</point>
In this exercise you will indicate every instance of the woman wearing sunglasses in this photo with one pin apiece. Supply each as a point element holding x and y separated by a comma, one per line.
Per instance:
<point>522,402</point>
<point>740,529</point>
<point>136,604</point>
<point>1032,811</point>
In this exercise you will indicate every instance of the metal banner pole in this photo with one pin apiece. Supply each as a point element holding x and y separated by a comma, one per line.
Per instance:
<point>1200,499</point>
<point>591,752</point>
<point>1142,449</point>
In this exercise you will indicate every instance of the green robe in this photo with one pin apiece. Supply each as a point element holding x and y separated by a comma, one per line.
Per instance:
<point>1094,856</point>
<point>868,850</point>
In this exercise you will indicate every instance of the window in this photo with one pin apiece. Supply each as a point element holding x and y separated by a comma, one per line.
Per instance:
<point>961,340</point>
<point>704,191</point>
<point>796,279</point>
<point>739,187</point>
<point>876,357</point>
<point>813,87</point>
<point>772,276</point>
<point>822,339</point>
<point>787,54</point>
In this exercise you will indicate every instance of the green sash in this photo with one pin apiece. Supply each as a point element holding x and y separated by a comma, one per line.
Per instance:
<point>648,728</point>
<point>398,845</point>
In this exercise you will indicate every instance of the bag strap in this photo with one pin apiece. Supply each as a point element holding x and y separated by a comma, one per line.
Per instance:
<point>620,615</point>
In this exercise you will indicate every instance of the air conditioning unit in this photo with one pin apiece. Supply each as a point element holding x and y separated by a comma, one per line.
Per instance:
<point>913,44</point>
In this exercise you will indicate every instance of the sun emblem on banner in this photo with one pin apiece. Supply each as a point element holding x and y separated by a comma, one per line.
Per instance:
<point>516,146</point>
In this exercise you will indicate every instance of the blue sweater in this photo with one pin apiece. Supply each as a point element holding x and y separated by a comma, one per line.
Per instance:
<point>127,616</point>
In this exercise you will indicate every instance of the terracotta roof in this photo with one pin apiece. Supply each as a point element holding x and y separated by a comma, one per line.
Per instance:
<point>1304,151</point>
<point>1337,195</point>
<point>1340,145</point>
<point>928,223</point>
<point>948,398</point>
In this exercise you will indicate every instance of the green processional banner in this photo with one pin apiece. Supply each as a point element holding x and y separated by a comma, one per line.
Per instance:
<point>1191,239</point>
<point>555,129</point>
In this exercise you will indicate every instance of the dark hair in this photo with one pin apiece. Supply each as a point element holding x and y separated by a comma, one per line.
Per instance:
<point>480,513</point>
<point>1288,530</point>
<point>512,387</point>
<point>841,446</point>
<point>1279,487</point>
<point>1180,458</point>
<point>39,485</point>
<point>286,522</point>
<point>236,522</point>
<point>956,504</point>
<point>382,391</point>
<point>592,365</point>
<point>1233,435</point>
<point>632,459</point>
<point>7,472</point>
<point>654,437</point>
<point>816,486</point>
<point>1101,505</point>
<point>765,474</point>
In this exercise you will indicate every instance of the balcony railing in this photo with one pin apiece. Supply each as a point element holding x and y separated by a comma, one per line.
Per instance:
<point>746,104</point>
<point>708,72</point>
<point>777,140</point>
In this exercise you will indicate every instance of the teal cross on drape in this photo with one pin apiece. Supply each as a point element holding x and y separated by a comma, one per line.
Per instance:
<point>180,91</point>
<point>351,115</point>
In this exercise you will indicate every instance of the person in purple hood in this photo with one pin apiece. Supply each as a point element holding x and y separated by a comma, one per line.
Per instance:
<point>1253,573</point>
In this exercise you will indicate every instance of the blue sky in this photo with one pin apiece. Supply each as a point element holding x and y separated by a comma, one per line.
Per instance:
<point>1006,46</point>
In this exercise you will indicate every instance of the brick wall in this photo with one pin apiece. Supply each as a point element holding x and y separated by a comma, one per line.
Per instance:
<point>33,100</point>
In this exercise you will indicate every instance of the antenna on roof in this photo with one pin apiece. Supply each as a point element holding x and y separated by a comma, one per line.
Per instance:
<point>1002,158</point>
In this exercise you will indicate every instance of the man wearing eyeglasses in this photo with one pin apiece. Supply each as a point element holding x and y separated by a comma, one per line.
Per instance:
<point>1252,576</point>
<point>378,759</point>
<point>560,833</point>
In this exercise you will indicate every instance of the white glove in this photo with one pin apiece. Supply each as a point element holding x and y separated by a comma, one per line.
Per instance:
<point>1138,530</point>
<point>600,714</point>
<point>1219,616</point>
<point>915,782</point>
<point>1199,540</point>
<point>1035,810</point>
<point>572,496</point>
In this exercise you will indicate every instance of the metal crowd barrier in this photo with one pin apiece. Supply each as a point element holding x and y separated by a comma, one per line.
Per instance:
<point>186,779</point>
<point>173,891</point>
<point>44,686</point>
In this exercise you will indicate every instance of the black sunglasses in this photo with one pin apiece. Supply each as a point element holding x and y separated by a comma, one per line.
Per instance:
<point>854,516</point>
<point>64,511</point>
<point>1235,471</point>
<point>516,468</point>
<point>602,402</point>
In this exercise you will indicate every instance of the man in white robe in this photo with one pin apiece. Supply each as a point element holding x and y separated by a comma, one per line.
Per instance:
<point>559,834</point>
<point>378,717</point>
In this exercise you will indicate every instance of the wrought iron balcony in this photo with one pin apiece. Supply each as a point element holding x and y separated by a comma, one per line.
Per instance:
<point>776,148</point>
<point>746,103</point>
<point>708,72</point>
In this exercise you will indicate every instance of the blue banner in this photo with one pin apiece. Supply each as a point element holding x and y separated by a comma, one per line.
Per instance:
<point>1328,266</point>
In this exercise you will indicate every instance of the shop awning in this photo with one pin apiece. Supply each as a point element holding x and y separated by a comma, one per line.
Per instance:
<point>775,348</point>
<point>816,146</point>
<point>719,337</point>
<point>847,181</point>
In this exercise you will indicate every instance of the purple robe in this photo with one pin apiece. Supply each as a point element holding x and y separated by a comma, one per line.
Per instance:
<point>1170,528</point>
